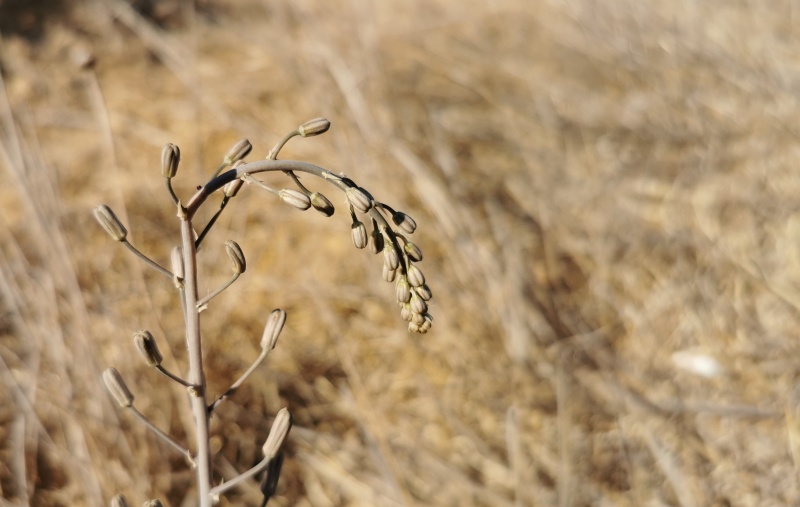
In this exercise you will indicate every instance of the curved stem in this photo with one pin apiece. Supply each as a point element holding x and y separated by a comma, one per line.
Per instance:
<point>158,267</point>
<point>168,439</point>
<point>172,376</point>
<point>232,389</point>
<point>172,191</point>
<point>203,302</point>
<point>259,166</point>
<point>241,477</point>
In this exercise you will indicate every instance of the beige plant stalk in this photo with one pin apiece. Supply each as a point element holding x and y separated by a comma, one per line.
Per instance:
<point>399,258</point>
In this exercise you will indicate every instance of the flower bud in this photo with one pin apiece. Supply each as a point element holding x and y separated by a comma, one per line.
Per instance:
<point>232,188</point>
<point>116,386</point>
<point>119,501</point>
<point>236,256</point>
<point>275,322</point>
<point>170,158</point>
<point>176,259</point>
<point>403,290</point>
<point>295,198</point>
<point>390,257</point>
<point>388,273</point>
<point>277,434</point>
<point>238,151</point>
<point>155,502</point>
<point>376,239</point>
<point>424,292</point>
<point>426,325</point>
<point>404,222</point>
<point>405,313</point>
<point>417,304</point>
<point>314,127</point>
<point>359,198</point>
<point>147,347</point>
<point>413,251</point>
<point>417,318</point>
<point>109,221</point>
<point>415,276</point>
<point>321,204</point>
<point>413,328</point>
<point>359,234</point>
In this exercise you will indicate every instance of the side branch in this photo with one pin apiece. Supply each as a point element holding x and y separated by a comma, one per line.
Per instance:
<point>258,167</point>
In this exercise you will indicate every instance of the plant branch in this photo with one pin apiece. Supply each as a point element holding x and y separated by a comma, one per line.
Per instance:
<point>232,389</point>
<point>168,439</point>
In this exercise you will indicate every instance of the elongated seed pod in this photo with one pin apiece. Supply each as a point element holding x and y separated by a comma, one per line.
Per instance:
<point>277,434</point>
<point>119,501</point>
<point>424,292</point>
<point>413,251</point>
<point>170,158</point>
<point>236,256</point>
<point>359,234</point>
<point>116,386</point>
<point>417,304</point>
<point>390,257</point>
<point>314,127</point>
<point>322,204</point>
<point>146,344</point>
<point>176,260</point>
<point>232,188</point>
<point>109,221</point>
<point>238,151</point>
<point>403,289</point>
<point>404,222</point>
<point>294,198</point>
<point>273,328</point>
<point>415,276</point>
<point>359,199</point>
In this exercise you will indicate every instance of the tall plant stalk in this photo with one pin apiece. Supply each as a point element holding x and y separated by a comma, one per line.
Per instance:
<point>390,229</point>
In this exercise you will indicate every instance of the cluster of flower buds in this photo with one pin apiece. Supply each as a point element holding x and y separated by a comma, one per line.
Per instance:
<point>399,255</point>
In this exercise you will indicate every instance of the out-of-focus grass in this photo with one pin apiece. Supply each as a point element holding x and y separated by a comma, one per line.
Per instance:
<point>606,194</point>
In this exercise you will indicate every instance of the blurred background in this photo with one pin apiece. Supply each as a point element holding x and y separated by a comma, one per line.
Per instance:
<point>606,195</point>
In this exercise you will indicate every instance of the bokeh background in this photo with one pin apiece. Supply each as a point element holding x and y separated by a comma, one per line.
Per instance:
<point>607,199</point>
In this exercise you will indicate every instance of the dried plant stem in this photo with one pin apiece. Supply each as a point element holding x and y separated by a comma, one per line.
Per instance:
<point>197,377</point>
<point>168,439</point>
<point>232,389</point>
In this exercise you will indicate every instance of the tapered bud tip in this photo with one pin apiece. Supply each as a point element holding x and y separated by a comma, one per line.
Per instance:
<point>404,222</point>
<point>232,188</point>
<point>109,221</point>
<point>236,255</point>
<point>119,501</point>
<point>275,322</point>
<point>147,347</point>
<point>170,158</point>
<point>322,204</point>
<point>238,151</point>
<point>295,198</point>
<point>359,234</point>
<point>359,198</point>
<point>153,503</point>
<point>116,386</point>
<point>314,127</point>
<point>277,434</point>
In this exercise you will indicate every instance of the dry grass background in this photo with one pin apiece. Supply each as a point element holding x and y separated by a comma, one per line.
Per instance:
<point>604,189</point>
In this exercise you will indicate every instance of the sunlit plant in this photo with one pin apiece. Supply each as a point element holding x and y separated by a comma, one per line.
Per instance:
<point>389,235</point>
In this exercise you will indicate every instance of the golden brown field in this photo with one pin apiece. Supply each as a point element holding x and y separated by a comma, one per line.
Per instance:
<point>607,196</point>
